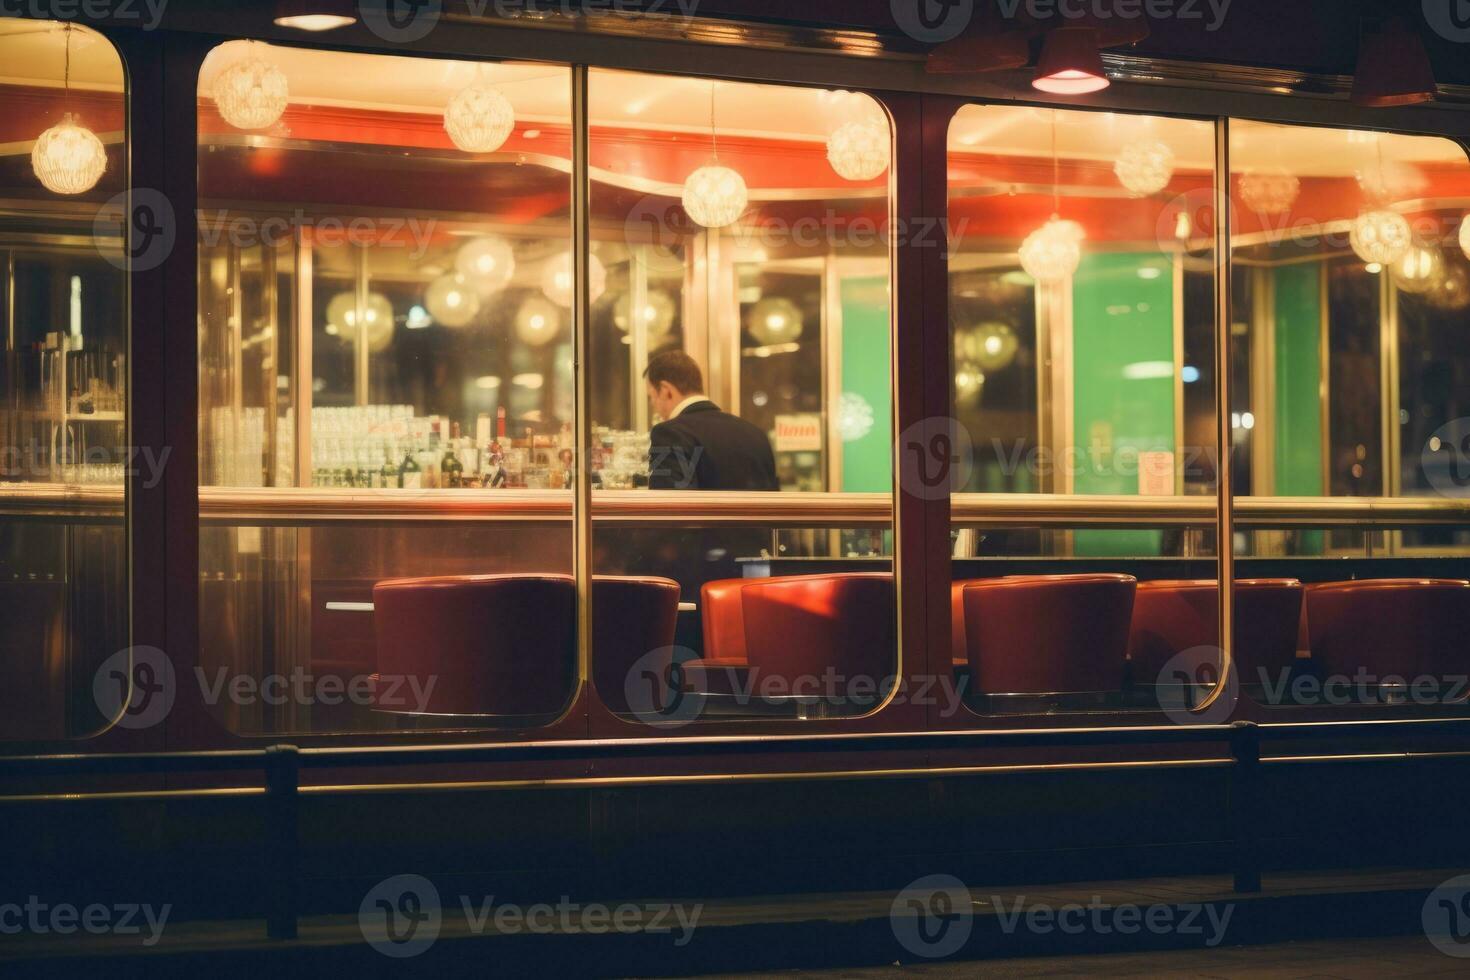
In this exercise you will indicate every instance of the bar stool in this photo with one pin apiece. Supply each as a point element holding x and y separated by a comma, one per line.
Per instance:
<point>1047,634</point>
<point>1401,628</point>
<point>1172,616</point>
<point>632,616</point>
<point>494,645</point>
<point>783,636</point>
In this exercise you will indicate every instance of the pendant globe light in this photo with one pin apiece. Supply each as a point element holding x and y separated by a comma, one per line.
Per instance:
<point>452,300</point>
<point>1380,236</point>
<point>487,262</point>
<point>1052,252</point>
<point>478,118</point>
<point>68,158</point>
<point>251,94</point>
<point>1270,192</point>
<point>859,150</point>
<point>1144,168</point>
<point>715,196</point>
<point>556,279</point>
<point>1418,269</point>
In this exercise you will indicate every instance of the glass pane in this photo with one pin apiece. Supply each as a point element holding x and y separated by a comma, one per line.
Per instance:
<point>386,390</point>
<point>742,302</point>
<point>1351,244</point>
<point>1082,327</point>
<point>63,395</point>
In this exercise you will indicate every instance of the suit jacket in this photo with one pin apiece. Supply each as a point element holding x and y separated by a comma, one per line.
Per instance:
<point>703,448</point>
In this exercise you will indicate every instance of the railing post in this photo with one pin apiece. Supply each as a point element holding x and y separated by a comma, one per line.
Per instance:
<point>1245,804</point>
<point>282,840</point>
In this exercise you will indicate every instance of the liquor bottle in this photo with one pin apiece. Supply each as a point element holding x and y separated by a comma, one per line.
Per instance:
<point>410,473</point>
<point>482,430</point>
<point>500,425</point>
<point>451,470</point>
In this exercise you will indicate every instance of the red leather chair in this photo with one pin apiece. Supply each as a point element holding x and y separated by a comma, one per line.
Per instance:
<point>1389,627</point>
<point>1170,617</point>
<point>1047,634</point>
<point>724,669</point>
<point>490,644</point>
<point>631,618</point>
<point>762,635</point>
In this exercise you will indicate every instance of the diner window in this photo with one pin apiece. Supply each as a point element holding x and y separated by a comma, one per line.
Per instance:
<point>386,391</point>
<point>1082,284</point>
<point>742,370</point>
<point>1354,245</point>
<point>63,396</point>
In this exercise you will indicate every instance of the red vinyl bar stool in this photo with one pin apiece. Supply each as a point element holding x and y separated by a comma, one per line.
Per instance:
<point>1047,634</point>
<point>764,635</point>
<point>1402,628</point>
<point>490,644</point>
<point>1172,616</point>
<point>632,617</point>
<point>724,669</point>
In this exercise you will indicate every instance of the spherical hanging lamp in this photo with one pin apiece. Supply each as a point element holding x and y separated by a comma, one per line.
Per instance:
<point>68,158</point>
<point>990,346</point>
<point>1053,251</point>
<point>557,279</point>
<point>1418,269</point>
<point>251,94</point>
<point>859,150</point>
<point>479,119</point>
<point>538,321</point>
<point>775,320</point>
<point>657,315</point>
<point>452,300</point>
<point>1145,168</point>
<point>1380,236</point>
<point>377,319</point>
<point>487,263</point>
<point>1269,192</point>
<point>715,196</point>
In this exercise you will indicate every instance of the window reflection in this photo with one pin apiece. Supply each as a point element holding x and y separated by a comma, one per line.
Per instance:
<point>385,304</point>
<point>1082,345</point>
<point>64,389</point>
<point>745,223</point>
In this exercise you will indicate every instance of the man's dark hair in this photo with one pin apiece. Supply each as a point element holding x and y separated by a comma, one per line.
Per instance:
<point>678,369</point>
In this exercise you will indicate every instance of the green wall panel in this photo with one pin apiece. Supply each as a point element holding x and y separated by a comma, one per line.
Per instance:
<point>1123,382</point>
<point>866,374</point>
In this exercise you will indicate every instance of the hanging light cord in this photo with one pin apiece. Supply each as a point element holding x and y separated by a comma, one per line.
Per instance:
<point>66,70</point>
<point>1056,171</point>
<point>714,134</point>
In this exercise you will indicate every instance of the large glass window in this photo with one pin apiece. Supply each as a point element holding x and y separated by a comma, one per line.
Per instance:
<point>1082,325</point>
<point>386,391</point>
<point>1353,249</point>
<point>63,396</point>
<point>742,305</point>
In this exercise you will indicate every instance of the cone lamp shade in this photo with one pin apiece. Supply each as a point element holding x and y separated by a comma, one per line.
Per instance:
<point>1071,63</point>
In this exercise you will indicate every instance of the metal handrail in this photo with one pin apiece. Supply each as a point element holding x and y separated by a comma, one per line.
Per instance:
<point>287,505</point>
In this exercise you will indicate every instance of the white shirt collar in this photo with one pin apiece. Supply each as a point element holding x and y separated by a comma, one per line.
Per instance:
<point>691,400</point>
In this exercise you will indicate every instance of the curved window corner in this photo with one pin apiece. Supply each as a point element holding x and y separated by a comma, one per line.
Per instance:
<point>63,394</point>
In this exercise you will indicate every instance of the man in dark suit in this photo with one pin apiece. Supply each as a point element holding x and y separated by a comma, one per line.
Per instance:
<point>698,446</point>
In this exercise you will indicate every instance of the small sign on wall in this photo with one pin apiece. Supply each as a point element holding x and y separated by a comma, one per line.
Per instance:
<point>1156,474</point>
<point>799,433</point>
